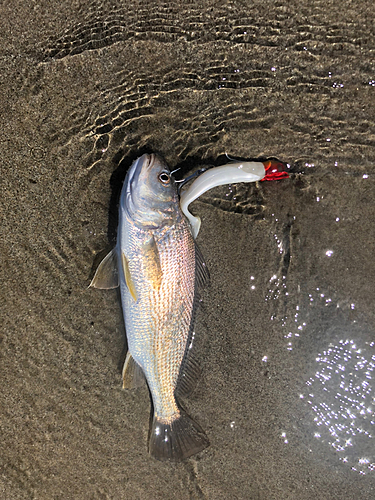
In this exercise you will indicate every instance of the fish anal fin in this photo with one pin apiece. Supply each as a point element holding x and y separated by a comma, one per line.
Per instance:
<point>179,439</point>
<point>128,278</point>
<point>106,275</point>
<point>152,268</point>
<point>132,374</point>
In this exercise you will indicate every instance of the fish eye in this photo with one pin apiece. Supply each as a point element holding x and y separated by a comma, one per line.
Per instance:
<point>164,178</point>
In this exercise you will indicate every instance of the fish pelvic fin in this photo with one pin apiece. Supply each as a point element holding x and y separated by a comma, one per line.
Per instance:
<point>176,440</point>
<point>132,374</point>
<point>128,278</point>
<point>106,275</point>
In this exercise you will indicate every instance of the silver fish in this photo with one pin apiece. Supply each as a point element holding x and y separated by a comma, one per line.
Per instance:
<point>160,272</point>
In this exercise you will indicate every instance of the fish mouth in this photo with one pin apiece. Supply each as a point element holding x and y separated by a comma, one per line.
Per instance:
<point>144,161</point>
<point>137,167</point>
<point>131,181</point>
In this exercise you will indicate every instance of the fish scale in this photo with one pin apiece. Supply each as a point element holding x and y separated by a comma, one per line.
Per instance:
<point>172,316</point>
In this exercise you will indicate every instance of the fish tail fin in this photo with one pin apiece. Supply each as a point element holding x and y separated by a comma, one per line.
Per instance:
<point>176,440</point>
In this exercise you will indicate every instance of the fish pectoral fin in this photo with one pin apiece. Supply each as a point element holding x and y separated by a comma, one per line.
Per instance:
<point>152,266</point>
<point>106,275</point>
<point>132,374</point>
<point>128,278</point>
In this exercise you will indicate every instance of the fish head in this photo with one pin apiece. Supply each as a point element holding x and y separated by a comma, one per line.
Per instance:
<point>149,195</point>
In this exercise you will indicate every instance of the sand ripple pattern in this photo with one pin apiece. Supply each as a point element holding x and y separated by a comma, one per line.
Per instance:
<point>259,67</point>
<point>168,23</point>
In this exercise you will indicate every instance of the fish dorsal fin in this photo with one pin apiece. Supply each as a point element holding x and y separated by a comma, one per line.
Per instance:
<point>152,266</point>
<point>128,278</point>
<point>189,375</point>
<point>190,367</point>
<point>202,276</point>
<point>132,374</point>
<point>106,275</point>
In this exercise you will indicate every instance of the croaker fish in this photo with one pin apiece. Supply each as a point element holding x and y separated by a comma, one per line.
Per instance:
<point>160,272</point>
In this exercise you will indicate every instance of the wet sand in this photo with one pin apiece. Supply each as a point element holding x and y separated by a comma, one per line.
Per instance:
<point>287,394</point>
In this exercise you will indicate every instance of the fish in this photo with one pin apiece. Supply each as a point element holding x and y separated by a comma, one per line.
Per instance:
<point>161,273</point>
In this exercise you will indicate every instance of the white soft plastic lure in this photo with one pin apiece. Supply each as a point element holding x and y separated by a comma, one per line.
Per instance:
<point>231,173</point>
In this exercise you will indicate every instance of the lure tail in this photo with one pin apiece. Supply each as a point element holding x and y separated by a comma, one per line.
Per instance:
<point>275,170</point>
<point>176,440</point>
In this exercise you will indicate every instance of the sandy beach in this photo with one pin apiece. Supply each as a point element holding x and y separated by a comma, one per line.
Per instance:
<point>286,328</point>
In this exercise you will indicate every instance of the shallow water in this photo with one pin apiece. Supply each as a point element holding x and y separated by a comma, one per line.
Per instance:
<point>287,393</point>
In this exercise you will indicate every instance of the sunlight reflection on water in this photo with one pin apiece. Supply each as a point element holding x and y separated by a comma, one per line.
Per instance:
<point>342,400</point>
<point>339,396</point>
